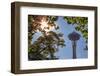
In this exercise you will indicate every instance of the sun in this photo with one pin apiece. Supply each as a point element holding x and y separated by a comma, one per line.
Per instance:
<point>45,26</point>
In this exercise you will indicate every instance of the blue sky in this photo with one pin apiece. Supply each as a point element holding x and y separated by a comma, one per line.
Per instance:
<point>66,52</point>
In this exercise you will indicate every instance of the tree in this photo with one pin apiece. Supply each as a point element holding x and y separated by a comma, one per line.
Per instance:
<point>47,44</point>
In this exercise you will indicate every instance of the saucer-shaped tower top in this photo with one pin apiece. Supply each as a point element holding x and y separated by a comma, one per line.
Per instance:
<point>74,36</point>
